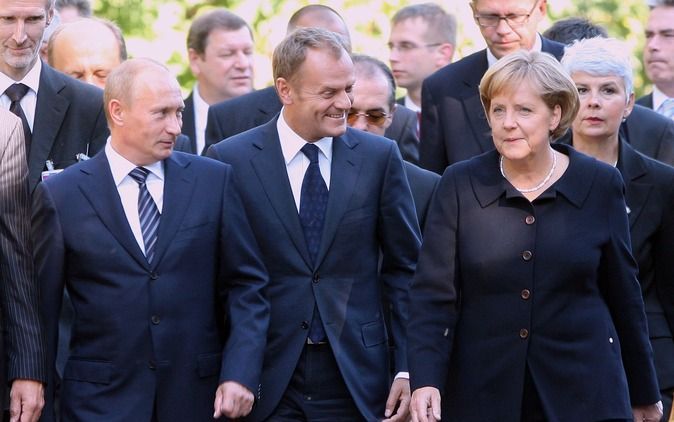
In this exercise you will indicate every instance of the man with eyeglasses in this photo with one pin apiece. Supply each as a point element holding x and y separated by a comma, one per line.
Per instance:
<point>372,111</point>
<point>422,41</point>
<point>453,124</point>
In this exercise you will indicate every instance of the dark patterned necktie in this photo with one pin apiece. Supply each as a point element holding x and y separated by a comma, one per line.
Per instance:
<point>147,212</point>
<point>313,204</point>
<point>15,93</point>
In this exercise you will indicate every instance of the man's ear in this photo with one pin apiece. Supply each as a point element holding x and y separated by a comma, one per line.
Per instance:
<point>284,90</point>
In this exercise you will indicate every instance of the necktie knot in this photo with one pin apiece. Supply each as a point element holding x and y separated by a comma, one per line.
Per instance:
<point>311,151</point>
<point>16,92</point>
<point>139,174</point>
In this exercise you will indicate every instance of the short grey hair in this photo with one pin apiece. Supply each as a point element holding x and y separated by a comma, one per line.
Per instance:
<point>292,51</point>
<point>600,57</point>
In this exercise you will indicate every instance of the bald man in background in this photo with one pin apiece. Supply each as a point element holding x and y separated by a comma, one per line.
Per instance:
<point>87,49</point>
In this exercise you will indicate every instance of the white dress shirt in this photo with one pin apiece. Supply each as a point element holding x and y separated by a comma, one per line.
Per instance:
<point>29,101</point>
<point>128,188</point>
<point>659,97</point>
<point>296,162</point>
<point>200,119</point>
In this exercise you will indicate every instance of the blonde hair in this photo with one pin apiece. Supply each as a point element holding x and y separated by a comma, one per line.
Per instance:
<point>544,72</point>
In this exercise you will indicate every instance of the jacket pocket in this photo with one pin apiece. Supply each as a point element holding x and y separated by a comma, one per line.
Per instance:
<point>208,365</point>
<point>374,333</point>
<point>97,372</point>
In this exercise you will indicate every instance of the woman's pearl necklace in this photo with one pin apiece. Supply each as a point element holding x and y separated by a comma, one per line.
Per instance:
<point>538,186</point>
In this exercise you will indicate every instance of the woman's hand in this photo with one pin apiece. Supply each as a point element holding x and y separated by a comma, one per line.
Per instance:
<point>649,413</point>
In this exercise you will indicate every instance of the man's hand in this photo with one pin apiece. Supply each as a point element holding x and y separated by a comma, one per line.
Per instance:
<point>232,400</point>
<point>400,395</point>
<point>650,413</point>
<point>26,400</point>
<point>425,405</point>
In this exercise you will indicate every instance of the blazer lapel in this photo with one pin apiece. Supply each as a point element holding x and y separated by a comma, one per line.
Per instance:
<point>269,166</point>
<point>637,187</point>
<point>179,183</point>
<point>102,194</point>
<point>50,111</point>
<point>344,173</point>
<point>471,103</point>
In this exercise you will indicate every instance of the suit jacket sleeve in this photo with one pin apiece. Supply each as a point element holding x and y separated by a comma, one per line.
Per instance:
<point>400,239</point>
<point>49,265</point>
<point>432,154</point>
<point>24,339</point>
<point>622,292</point>
<point>434,293</point>
<point>242,279</point>
<point>664,256</point>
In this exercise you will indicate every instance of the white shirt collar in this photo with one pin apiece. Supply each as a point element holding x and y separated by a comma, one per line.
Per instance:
<point>410,104</point>
<point>292,143</point>
<point>121,167</point>
<point>200,118</point>
<point>659,97</point>
<point>538,46</point>
<point>31,80</point>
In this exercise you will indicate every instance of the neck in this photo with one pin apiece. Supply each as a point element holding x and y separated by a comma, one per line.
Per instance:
<point>415,95</point>
<point>605,149</point>
<point>211,96</point>
<point>528,173</point>
<point>667,88</point>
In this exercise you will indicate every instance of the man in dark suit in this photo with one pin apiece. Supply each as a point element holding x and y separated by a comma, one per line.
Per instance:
<point>237,115</point>
<point>220,49</point>
<point>659,58</point>
<point>155,284</point>
<point>24,348</point>
<point>373,100</point>
<point>453,123</point>
<point>324,200</point>
<point>62,117</point>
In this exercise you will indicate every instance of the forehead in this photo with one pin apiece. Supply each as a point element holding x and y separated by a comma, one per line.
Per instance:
<point>323,68</point>
<point>370,92</point>
<point>588,78</point>
<point>504,6</point>
<point>226,38</point>
<point>23,7</point>
<point>411,27</point>
<point>661,18</point>
<point>157,87</point>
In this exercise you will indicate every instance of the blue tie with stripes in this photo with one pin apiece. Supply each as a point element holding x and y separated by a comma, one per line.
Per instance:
<point>667,108</point>
<point>147,212</point>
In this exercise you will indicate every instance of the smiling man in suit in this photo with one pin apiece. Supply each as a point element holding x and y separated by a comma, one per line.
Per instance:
<point>324,200</point>
<point>151,278</point>
<point>453,123</point>
<point>61,117</point>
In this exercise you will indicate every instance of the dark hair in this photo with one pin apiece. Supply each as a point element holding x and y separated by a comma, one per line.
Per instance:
<point>370,66</point>
<point>202,27</point>
<point>83,6</point>
<point>572,29</point>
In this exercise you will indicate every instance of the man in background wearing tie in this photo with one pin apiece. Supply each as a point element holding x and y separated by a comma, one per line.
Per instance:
<point>324,200</point>
<point>152,279</point>
<point>659,57</point>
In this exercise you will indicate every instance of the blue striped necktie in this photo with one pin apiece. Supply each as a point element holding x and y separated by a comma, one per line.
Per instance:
<point>667,108</point>
<point>147,212</point>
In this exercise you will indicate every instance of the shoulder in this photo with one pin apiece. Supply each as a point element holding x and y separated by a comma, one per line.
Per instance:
<point>235,145</point>
<point>450,74</point>
<point>367,143</point>
<point>252,98</point>
<point>552,47</point>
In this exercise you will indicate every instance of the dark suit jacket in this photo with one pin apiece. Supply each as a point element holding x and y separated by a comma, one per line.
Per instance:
<point>69,120</point>
<point>453,123</point>
<point>148,336</point>
<point>23,349</point>
<point>649,195</point>
<point>370,208</point>
<point>646,101</point>
<point>239,114</point>
<point>650,133</point>
<point>504,286</point>
<point>422,184</point>
<point>189,127</point>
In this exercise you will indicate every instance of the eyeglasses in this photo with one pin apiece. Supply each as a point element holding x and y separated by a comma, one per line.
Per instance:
<point>373,117</point>
<point>513,19</point>
<point>406,47</point>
